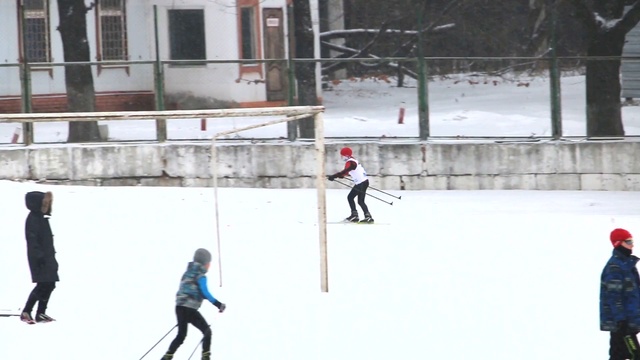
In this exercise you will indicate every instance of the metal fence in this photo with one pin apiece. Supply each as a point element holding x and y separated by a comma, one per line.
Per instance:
<point>390,98</point>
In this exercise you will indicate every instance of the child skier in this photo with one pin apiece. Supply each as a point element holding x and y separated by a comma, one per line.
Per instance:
<point>193,290</point>
<point>359,189</point>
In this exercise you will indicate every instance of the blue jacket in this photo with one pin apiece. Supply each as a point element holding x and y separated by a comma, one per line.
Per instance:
<point>620,292</point>
<point>193,287</point>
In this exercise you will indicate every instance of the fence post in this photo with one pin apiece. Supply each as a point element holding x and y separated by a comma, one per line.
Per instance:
<point>161,124</point>
<point>423,101</point>
<point>556,107</point>
<point>292,126</point>
<point>25,74</point>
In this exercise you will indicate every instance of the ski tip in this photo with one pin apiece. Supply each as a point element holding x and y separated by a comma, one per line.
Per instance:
<point>400,197</point>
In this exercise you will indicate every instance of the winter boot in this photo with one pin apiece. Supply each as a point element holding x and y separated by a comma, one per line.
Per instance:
<point>44,318</point>
<point>367,219</point>
<point>26,317</point>
<point>167,356</point>
<point>206,355</point>
<point>352,218</point>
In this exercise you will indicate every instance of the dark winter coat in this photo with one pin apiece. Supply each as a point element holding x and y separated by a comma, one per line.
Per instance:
<point>40,250</point>
<point>620,292</point>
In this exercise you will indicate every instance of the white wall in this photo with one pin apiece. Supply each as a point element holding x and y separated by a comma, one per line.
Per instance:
<point>9,76</point>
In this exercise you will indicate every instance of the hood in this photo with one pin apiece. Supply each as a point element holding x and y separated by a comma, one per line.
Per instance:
<point>39,202</point>
<point>197,268</point>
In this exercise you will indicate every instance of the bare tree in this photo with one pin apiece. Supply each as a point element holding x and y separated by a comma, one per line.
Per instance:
<point>305,71</point>
<point>78,78</point>
<point>607,25</point>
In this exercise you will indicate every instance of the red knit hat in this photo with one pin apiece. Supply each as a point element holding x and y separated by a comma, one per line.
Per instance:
<point>346,152</point>
<point>618,236</point>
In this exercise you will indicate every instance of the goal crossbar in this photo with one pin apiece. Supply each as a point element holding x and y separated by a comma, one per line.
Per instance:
<point>164,114</point>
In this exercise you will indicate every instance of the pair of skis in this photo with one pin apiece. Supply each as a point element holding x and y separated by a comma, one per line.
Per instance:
<point>16,313</point>
<point>344,222</point>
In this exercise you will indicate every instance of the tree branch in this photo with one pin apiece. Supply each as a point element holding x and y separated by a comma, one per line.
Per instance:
<point>381,63</point>
<point>630,19</point>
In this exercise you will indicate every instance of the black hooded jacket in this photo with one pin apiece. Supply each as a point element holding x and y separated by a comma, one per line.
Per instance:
<point>40,250</point>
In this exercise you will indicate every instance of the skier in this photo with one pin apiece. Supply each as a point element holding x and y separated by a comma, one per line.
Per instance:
<point>41,255</point>
<point>193,290</point>
<point>359,189</point>
<point>620,298</point>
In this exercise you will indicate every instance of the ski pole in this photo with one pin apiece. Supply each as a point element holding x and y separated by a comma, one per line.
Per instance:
<point>386,193</point>
<point>375,197</point>
<point>156,344</point>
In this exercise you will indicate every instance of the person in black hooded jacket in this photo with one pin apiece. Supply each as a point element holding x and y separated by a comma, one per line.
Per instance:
<point>41,255</point>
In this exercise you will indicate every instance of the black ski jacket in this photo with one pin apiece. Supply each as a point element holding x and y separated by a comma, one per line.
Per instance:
<point>40,250</point>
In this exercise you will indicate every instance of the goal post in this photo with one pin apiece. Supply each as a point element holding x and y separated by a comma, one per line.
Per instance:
<point>292,114</point>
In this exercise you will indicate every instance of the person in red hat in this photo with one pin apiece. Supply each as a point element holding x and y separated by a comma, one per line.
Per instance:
<point>359,189</point>
<point>620,298</point>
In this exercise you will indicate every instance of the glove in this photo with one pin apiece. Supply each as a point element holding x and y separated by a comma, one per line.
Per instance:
<point>220,306</point>
<point>331,177</point>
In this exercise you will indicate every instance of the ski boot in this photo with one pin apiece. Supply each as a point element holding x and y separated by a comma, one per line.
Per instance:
<point>367,219</point>
<point>167,356</point>
<point>352,218</point>
<point>206,355</point>
<point>26,317</point>
<point>44,318</point>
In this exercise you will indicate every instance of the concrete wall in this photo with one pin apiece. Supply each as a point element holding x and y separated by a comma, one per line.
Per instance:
<point>416,166</point>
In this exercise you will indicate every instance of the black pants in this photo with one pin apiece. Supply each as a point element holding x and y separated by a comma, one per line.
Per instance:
<point>191,316</point>
<point>359,190</point>
<point>623,346</point>
<point>40,294</point>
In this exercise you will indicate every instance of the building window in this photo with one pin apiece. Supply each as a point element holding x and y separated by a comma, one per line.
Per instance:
<point>35,32</point>
<point>248,27</point>
<point>111,30</point>
<point>186,35</point>
<point>249,35</point>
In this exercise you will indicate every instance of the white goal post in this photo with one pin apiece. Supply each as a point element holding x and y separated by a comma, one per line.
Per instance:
<point>292,113</point>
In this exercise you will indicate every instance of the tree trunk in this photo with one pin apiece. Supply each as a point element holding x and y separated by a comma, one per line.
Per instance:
<point>78,78</point>
<point>603,85</point>
<point>305,71</point>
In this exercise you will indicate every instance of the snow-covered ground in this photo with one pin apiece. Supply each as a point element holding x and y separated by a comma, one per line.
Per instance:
<point>460,105</point>
<point>449,275</point>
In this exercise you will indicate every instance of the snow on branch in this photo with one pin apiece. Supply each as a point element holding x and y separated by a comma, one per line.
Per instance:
<point>341,33</point>
<point>605,24</point>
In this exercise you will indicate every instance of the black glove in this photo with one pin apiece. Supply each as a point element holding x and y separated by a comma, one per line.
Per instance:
<point>220,306</point>
<point>331,177</point>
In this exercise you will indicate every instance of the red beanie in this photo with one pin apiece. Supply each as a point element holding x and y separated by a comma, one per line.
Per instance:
<point>618,236</point>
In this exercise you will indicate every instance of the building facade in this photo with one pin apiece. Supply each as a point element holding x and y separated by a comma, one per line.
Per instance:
<point>197,35</point>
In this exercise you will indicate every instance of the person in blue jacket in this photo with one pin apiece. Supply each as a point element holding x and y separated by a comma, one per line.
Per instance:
<point>193,290</point>
<point>620,298</point>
